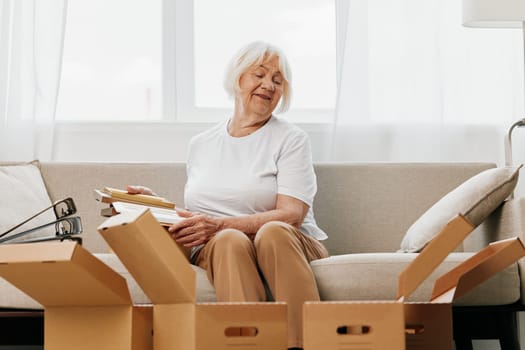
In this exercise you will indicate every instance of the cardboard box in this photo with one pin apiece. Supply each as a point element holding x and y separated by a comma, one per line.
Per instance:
<point>429,325</point>
<point>87,304</point>
<point>378,325</point>
<point>159,266</point>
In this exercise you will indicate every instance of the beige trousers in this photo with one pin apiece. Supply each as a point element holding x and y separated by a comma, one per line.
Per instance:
<point>279,253</point>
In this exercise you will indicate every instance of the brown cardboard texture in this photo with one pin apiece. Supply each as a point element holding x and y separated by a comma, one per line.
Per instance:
<point>429,325</point>
<point>87,304</point>
<point>161,269</point>
<point>378,325</point>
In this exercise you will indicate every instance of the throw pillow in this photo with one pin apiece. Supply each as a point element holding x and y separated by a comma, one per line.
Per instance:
<point>23,194</point>
<point>475,199</point>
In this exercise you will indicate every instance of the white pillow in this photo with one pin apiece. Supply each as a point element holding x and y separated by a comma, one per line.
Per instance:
<point>475,199</point>
<point>22,195</point>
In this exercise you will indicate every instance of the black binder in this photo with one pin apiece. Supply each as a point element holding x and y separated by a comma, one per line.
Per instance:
<point>67,227</point>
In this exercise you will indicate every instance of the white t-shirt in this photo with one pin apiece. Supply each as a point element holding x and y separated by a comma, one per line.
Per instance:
<point>236,176</point>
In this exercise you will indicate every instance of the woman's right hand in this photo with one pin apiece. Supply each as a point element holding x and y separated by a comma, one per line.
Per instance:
<point>195,229</point>
<point>137,189</point>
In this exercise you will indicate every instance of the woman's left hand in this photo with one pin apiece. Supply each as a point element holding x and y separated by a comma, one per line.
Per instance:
<point>196,229</point>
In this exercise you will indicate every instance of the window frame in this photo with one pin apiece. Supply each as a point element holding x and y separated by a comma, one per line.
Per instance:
<point>178,76</point>
<point>179,73</point>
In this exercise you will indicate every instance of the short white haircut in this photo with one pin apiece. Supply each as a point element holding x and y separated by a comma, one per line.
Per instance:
<point>254,54</point>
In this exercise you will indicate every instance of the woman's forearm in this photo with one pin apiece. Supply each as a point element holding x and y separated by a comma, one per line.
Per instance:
<point>199,228</point>
<point>288,209</point>
<point>250,224</point>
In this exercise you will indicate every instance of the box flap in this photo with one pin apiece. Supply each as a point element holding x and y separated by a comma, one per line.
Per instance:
<point>475,270</point>
<point>433,255</point>
<point>151,255</point>
<point>62,274</point>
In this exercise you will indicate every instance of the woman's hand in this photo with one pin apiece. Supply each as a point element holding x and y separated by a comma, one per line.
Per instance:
<point>137,189</point>
<point>196,229</point>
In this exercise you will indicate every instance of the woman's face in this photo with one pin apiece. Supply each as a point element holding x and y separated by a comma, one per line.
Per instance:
<point>261,88</point>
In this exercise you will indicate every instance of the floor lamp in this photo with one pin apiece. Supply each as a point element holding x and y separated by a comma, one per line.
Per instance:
<point>508,141</point>
<point>497,14</point>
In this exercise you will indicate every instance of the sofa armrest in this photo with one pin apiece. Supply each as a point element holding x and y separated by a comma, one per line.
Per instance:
<point>520,231</point>
<point>505,222</point>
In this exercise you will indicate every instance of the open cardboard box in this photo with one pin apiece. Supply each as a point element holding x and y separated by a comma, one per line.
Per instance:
<point>87,304</point>
<point>429,325</point>
<point>159,266</point>
<point>378,325</point>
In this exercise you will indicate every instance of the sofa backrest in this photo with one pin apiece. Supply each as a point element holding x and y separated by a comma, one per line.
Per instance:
<point>368,207</point>
<point>78,180</point>
<point>362,207</point>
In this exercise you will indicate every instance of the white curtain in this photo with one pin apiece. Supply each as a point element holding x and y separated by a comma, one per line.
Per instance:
<point>417,86</point>
<point>31,41</point>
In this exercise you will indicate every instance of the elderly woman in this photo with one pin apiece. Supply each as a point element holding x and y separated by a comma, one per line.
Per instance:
<point>250,191</point>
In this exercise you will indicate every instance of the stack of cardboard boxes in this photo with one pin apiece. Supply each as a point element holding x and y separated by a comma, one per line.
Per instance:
<point>161,269</point>
<point>87,305</point>
<point>400,325</point>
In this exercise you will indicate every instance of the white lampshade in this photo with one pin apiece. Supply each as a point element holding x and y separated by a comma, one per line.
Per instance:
<point>494,13</point>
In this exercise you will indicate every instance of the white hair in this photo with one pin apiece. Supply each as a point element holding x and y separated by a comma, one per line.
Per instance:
<point>254,54</point>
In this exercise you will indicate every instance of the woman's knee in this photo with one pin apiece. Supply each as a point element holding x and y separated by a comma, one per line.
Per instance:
<point>231,239</point>
<point>273,233</point>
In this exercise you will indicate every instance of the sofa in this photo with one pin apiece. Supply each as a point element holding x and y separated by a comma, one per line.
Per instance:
<point>365,208</point>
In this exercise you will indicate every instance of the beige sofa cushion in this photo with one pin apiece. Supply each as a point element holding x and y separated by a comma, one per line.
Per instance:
<point>342,277</point>
<point>347,277</point>
<point>205,290</point>
<point>476,199</point>
<point>24,195</point>
<point>11,297</point>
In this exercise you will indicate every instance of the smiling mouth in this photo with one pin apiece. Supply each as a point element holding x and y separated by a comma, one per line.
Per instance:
<point>264,97</point>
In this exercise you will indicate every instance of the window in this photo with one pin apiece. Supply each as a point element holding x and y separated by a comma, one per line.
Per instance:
<point>111,68</point>
<point>147,60</point>
<point>305,30</point>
